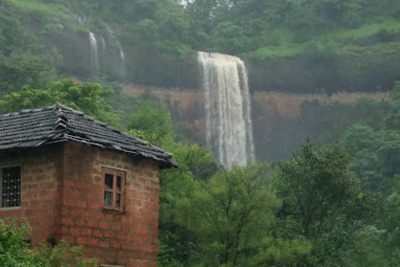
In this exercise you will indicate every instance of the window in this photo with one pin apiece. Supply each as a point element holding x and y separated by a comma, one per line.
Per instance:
<point>113,189</point>
<point>10,187</point>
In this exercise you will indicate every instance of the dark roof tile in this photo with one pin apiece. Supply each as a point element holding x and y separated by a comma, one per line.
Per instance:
<point>36,127</point>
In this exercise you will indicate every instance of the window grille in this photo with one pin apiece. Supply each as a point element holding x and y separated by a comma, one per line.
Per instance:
<point>11,187</point>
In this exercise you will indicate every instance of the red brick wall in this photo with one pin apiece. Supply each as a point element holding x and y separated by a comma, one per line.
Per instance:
<point>128,238</point>
<point>41,172</point>
<point>62,197</point>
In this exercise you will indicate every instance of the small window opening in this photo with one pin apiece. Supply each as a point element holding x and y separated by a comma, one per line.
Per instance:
<point>10,187</point>
<point>113,189</point>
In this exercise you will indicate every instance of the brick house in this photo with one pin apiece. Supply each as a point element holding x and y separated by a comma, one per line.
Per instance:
<point>77,179</point>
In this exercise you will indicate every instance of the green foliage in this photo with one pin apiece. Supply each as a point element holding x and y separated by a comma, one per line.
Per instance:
<point>392,119</point>
<point>326,34</point>
<point>376,150</point>
<point>305,20</point>
<point>147,30</point>
<point>39,9</point>
<point>311,183</point>
<point>220,221</point>
<point>86,97</point>
<point>226,220</point>
<point>233,214</point>
<point>318,213</point>
<point>229,38</point>
<point>14,252</point>
<point>370,250</point>
<point>52,27</point>
<point>65,255</point>
<point>23,59</point>
<point>321,197</point>
<point>152,123</point>
<point>391,236</point>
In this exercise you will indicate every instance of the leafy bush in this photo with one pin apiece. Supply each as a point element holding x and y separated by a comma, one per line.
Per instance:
<point>14,252</point>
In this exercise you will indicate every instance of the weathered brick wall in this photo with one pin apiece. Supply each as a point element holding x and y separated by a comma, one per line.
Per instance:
<point>128,238</point>
<point>62,198</point>
<point>41,172</point>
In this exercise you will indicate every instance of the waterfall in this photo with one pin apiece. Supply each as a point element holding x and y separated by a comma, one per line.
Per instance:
<point>103,55</point>
<point>115,42</point>
<point>103,44</point>
<point>227,105</point>
<point>106,55</point>
<point>94,57</point>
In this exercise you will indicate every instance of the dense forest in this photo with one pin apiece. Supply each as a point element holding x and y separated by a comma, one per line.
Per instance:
<point>289,45</point>
<point>331,205</point>
<point>332,202</point>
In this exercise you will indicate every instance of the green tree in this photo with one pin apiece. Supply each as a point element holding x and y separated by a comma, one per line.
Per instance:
<point>152,123</point>
<point>375,146</point>
<point>322,200</point>
<point>87,97</point>
<point>392,120</point>
<point>14,252</point>
<point>23,59</point>
<point>231,217</point>
<point>390,239</point>
<point>229,38</point>
<point>177,242</point>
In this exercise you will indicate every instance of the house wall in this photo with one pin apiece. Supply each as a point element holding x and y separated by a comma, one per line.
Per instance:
<point>41,173</point>
<point>128,238</point>
<point>62,199</point>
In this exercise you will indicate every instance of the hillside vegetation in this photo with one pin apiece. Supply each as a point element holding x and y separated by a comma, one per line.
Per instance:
<point>289,45</point>
<point>329,205</point>
<point>334,205</point>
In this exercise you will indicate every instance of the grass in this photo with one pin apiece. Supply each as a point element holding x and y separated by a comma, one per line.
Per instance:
<point>335,41</point>
<point>47,10</point>
<point>41,10</point>
<point>270,52</point>
<point>371,50</point>
<point>389,25</point>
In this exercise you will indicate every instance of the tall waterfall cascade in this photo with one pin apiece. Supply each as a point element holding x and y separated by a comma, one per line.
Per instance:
<point>94,56</point>
<point>117,44</point>
<point>106,54</point>
<point>228,110</point>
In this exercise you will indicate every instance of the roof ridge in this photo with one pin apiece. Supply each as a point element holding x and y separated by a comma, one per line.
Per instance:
<point>61,118</point>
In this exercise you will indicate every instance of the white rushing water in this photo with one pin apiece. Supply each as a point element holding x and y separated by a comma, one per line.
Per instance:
<point>115,42</point>
<point>103,44</point>
<point>94,57</point>
<point>106,54</point>
<point>227,104</point>
<point>103,54</point>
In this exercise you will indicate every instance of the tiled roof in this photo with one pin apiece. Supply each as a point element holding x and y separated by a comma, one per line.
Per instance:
<point>35,127</point>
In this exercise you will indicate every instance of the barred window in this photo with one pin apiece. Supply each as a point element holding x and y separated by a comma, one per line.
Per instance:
<point>113,189</point>
<point>10,187</point>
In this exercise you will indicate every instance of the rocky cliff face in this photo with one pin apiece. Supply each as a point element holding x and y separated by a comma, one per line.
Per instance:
<point>278,87</point>
<point>367,66</point>
<point>277,117</point>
